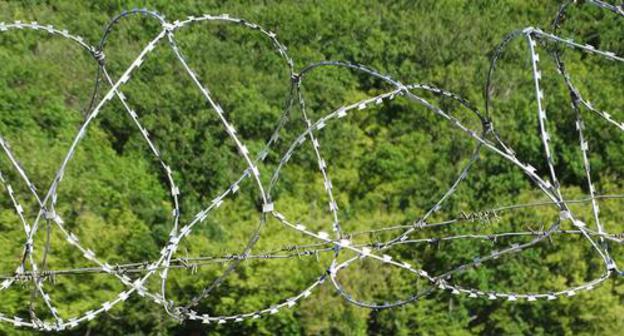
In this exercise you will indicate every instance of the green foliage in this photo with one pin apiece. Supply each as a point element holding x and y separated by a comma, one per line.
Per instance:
<point>388,164</point>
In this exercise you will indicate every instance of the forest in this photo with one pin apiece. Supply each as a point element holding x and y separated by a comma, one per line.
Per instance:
<point>389,163</point>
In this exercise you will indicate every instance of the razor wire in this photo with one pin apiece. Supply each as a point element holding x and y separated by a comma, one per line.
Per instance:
<point>133,276</point>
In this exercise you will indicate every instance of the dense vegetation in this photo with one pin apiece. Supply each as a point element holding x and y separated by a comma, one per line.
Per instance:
<point>388,164</point>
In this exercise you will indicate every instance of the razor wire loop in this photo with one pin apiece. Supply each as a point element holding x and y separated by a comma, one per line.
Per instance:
<point>372,251</point>
<point>169,28</point>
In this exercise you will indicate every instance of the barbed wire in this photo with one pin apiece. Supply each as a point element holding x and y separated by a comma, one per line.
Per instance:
<point>133,276</point>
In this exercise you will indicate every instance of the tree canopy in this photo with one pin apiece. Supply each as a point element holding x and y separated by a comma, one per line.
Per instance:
<point>388,163</point>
